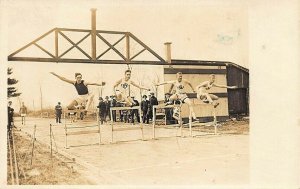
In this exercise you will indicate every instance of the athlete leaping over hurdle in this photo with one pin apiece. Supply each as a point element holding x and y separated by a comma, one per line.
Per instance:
<point>180,93</point>
<point>122,89</point>
<point>202,91</point>
<point>83,93</point>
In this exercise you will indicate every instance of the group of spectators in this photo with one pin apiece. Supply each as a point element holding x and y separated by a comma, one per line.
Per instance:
<point>127,116</point>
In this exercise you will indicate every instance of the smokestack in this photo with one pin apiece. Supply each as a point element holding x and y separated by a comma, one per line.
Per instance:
<point>168,52</point>
<point>93,32</point>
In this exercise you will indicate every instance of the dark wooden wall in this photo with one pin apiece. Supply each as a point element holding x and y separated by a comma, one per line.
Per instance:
<point>238,99</point>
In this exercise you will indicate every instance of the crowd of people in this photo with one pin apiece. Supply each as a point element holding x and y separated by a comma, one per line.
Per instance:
<point>127,116</point>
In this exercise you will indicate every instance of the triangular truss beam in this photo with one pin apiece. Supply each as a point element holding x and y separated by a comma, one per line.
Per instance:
<point>125,58</point>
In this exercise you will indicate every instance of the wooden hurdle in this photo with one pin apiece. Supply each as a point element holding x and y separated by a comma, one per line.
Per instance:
<point>68,130</point>
<point>124,129</point>
<point>155,107</point>
<point>214,123</point>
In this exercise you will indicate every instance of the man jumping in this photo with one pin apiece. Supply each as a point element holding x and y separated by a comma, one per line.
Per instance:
<point>122,89</point>
<point>84,98</point>
<point>202,91</point>
<point>180,93</point>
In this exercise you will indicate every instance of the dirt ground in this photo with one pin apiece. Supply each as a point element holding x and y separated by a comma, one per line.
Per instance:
<point>222,159</point>
<point>44,169</point>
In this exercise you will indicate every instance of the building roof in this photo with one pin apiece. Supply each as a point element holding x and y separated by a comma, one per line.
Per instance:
<point>207,63</point>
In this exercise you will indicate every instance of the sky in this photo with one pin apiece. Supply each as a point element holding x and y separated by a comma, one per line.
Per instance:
<point>198,30</point>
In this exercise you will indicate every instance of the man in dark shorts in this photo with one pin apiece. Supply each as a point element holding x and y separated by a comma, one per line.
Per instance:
<point>84,98</point>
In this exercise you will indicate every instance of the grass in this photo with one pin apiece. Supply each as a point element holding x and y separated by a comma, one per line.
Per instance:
<point>44,170</point>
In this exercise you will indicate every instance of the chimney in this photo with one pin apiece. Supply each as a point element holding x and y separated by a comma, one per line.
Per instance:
<point>168,52</point>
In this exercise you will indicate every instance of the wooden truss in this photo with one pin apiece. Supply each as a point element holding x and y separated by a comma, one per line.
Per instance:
<point>90,57</point>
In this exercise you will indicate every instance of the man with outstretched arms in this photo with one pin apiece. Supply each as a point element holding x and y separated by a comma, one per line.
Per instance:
<point>203,91</point>
<point>84,98</point>
<point>122,89</point>
<point>179,86</point>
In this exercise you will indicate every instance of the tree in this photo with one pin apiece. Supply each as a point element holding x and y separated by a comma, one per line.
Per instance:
<point>11,91</point>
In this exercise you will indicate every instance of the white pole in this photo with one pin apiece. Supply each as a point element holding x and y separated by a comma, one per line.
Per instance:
<point>190,124</point>
<point>153,122</point>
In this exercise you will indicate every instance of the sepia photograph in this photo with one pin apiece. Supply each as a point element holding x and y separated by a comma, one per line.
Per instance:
<point>146,94</point>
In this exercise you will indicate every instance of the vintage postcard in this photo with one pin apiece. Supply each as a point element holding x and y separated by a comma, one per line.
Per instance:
<point>150,94</point>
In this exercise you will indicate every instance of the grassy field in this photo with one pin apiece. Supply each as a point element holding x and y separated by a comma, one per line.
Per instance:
<point>44,169</point>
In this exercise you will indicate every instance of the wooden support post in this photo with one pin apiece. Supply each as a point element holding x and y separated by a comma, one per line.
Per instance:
<point>66,132</point>
<point>180,121</point>
<point>141,121</point>
<point>56,44</point>
<point>9,138</point>
<point>127,47</point>
<point>99,126</point>
<point>93,33</point>
<point>153,122</point>
<point>215,120</point>
<point>15,157</point>
<point>112,127</point>
<point>33,141</point>
<point>190,124</point>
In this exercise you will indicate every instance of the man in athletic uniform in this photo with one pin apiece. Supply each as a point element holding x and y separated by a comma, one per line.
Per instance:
<point>84,98</point>
<point>180,93</point>
<point>23,113</point>
<point>122,89</point>
<point>202,91</point>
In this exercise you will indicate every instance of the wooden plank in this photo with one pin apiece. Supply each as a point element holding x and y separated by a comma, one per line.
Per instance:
<point>125,108</point>
<point>74,30</point>
<point>56,44</point>
<point>200,62</point>
<point>194,71</point>
<point>220,95</point>
<point>70,60</point>
<point>80,127</point>
<point>97,31</point>
<point>127,47</point>
<point>82,132</point>
<point>93,33</point>
<point>162,106</point>
<point>126,128</point>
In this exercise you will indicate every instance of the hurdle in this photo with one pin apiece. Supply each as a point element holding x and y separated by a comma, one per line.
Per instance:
<point>214,123</point>
<point>69,130</point>
<point>180,123</point>
<point>124,129</point>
